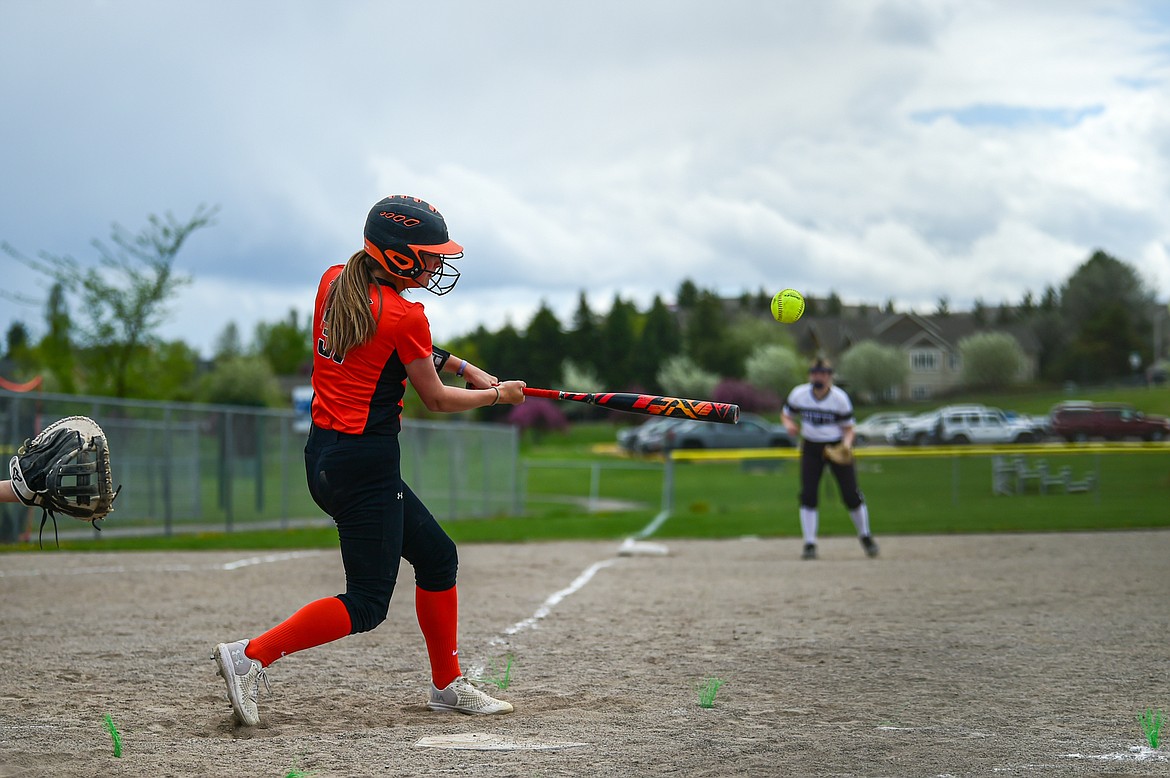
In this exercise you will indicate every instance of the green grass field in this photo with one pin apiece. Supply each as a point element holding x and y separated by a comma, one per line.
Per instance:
<point>923,495</point>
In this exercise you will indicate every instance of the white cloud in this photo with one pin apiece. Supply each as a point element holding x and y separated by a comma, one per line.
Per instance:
<point>614,148</point>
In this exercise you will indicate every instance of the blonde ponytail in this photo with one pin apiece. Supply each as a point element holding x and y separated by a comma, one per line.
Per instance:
<point>349,320</point>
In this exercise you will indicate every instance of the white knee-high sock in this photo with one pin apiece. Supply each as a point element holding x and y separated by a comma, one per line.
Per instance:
<point>860,516</point>
<point>808,524</point>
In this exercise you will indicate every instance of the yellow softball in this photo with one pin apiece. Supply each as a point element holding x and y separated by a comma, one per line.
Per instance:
<point>787,306</point>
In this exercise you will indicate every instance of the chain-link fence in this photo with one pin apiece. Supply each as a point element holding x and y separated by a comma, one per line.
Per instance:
<point>187,467</point>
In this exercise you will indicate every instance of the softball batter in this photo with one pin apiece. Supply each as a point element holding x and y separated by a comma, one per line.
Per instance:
<point>369,340</point>
<point>826,418</point>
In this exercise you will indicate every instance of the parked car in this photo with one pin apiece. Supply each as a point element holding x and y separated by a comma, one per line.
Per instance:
<point>917,430</point>
<point>1075,421</point>
<point>752,432</point>
<point>633,439</point>
<point>878,427</point>
<point>962,424</point>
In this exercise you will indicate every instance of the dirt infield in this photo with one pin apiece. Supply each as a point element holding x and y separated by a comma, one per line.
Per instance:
<point>1026,655</point>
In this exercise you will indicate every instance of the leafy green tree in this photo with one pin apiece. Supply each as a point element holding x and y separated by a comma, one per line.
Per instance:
<point>286,344</point>
<point>682,377</point>
<point>125,294</point>
<point>241,380</point>
<point>169,374</point>
<point>991,360</point>
<point>579,378</point>
<point>688,294</point>
<point>944,306</point>
<point>774,367</point>
<point>872,369</point>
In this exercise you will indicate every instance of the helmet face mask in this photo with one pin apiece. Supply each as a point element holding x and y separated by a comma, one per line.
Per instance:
<point>400,229</point>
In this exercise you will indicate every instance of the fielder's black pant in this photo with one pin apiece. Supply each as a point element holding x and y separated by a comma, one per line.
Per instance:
<point>812,467</point>
<point>357,479</point>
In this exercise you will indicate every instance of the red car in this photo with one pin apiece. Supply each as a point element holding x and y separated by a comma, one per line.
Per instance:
<point>1075,421</point>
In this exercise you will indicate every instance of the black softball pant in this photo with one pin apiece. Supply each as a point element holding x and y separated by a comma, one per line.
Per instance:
<point>357,479</point>
<point>812,467</point>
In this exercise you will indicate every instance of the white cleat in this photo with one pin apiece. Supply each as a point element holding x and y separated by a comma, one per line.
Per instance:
<point>242,675</point>
<point>460,696</point>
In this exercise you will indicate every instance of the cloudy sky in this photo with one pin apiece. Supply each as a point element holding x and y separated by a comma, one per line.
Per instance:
<point>880,149</point>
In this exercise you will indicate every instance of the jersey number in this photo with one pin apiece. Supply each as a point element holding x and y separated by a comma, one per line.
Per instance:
<point>323,349</point>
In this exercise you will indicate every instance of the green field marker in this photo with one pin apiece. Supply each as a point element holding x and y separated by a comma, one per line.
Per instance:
<point>500,680</point>
<point>707,691</point>
<point>297,772</point>
<point>1151,723</point>
<point>114,735</point>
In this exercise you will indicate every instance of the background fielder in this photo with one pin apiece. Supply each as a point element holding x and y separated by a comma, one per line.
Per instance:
<point>826,420</point>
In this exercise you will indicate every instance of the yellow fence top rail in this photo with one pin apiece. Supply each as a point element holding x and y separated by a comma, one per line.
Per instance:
<point>1048,449</point>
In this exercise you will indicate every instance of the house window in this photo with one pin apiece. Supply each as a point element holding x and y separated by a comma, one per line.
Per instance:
<point>922,360</point>
<point>919,392</point>
<point>955,362</point>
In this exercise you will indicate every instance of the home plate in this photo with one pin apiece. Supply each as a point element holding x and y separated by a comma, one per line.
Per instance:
<point>485,741</point>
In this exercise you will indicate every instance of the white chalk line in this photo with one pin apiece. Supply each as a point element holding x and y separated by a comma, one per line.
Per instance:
<point>171,568</point>
<point>1136,753</point>
<point>555,598</point>
<point>630,547</point>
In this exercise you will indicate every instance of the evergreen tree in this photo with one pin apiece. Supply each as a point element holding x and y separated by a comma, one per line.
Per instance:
<point>285,344</point>
<point>56,348</point>
<point>17,345</point>
<point>581,339</point>
<point>688,294</point>
<point>660,339</point>
<point>229,344</point>
<point>617,345</point>
<point>545,344</point>
<point>706,338</point>
<point>979,313</point>
<point>833,306</point>
<point>1105,305</point>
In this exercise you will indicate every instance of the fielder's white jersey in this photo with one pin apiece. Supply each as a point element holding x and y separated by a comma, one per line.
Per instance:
<point>821,420</point>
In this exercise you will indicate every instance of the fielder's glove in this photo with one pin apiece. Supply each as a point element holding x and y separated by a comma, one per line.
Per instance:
<point>66,469</point>
<point>839,454</point>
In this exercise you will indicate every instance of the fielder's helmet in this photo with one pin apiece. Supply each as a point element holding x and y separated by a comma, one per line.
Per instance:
<point>398,228</point>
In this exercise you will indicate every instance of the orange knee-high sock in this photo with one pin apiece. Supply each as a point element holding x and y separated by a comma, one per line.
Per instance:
<point>438,617</point>
<point>321,621</point>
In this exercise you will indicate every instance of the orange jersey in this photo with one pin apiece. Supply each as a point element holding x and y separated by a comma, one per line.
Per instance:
<point>362,392</point>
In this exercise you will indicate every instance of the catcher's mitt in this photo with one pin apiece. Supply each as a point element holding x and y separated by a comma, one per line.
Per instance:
<point>839,454</point>
<point>66,469</point>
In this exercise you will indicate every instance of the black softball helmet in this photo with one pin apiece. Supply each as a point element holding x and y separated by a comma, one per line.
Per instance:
<point>399,229</point>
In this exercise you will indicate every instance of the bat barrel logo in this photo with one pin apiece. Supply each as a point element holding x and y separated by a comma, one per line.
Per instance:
<point>648,404</point>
